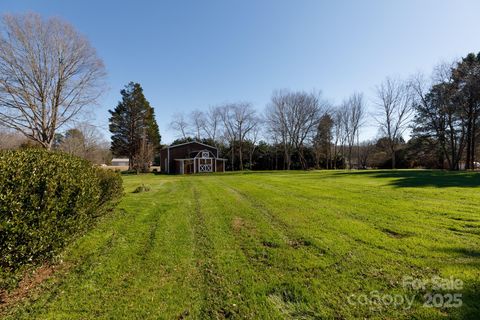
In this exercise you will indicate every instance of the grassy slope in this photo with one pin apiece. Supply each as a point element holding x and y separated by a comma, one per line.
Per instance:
<point>272,245</point>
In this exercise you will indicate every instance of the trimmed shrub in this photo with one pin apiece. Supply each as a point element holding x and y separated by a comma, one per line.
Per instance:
<point>141,188</point>
<point>46,198</point>
<point>111,187</point>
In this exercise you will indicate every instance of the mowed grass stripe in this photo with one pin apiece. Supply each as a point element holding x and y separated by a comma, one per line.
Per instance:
<point>372,262</point>
<point>294,263</point>
<point>231,287</point>
<point>272,245</point>
<point>146,264</point>
<point>399,217</point>
<point>301,263</point>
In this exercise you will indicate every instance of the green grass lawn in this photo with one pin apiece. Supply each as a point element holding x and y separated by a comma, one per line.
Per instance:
<point>273,245</point>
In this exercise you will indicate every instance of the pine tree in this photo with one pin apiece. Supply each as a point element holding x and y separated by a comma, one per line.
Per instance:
<point>134,129</point>
<point>466,77</point>
<point>323,140</point>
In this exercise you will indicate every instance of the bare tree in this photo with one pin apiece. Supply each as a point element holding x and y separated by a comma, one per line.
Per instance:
<point>244,120</point>
<point>48,74</point>
<point>238,120</point>
<point>198,123</point>
<point>272,134</point>
<point>353,111</point>
<point>10,139</point>
<point>395,101</point>
<point>344,119</point>
<point>276,120</point>
<point>86,141</point>
<point>340,133</point>
<point>229,133</point>
<point>365,151</point>
<point>212,123</point>
<point>180,125</point>
<point>252,138</point>
<point>294,116</point>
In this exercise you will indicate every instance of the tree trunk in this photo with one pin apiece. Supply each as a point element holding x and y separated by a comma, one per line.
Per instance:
<point>335,156</point>
<point>472,152</point>
<point>233,155</point>
<point>276,158</point>
<point>393,158</point>
<point>130,162</point>
<point>240,155</point>
<point>286,161</point>
<point>349,157</point>
<point>303,162</point>
<point>469,144</point>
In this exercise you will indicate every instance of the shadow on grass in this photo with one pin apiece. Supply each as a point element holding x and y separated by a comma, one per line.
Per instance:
<point>424,178</point>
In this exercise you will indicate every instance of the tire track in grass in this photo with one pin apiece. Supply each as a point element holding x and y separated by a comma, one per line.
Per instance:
<point>151,234</point>
<point>291,238</point>
<point>347,236</point>
<point>214,297</point>
<point>286,280</point>
<point>286,297</point>
<point>340,261</point>
<point>289,297</point>
<point>287,271</point>
<point>414,265</point>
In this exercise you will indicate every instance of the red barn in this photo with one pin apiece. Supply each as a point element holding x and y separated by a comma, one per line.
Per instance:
<point>191,157</point>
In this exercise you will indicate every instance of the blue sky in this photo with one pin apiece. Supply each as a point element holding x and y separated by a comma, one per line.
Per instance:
<point>193,54</point>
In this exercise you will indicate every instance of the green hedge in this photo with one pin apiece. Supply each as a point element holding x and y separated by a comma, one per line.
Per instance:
<point>111,187</point>
<point>46,199</point>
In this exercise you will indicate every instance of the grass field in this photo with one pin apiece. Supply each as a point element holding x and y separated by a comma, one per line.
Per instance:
<point>273,245</point>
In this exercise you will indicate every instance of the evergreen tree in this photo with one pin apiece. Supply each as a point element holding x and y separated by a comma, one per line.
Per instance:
<point>134,129</point>
<point>322,141</point>
<point>449,113</point>
<point>466,77</point>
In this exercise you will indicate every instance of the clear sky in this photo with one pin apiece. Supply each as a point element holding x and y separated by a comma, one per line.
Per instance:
<point>197,53</point>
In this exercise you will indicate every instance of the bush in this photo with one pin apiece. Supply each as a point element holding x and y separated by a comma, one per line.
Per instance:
<point>141,188</point>
<point>111,187</point>
<point>46,198</point>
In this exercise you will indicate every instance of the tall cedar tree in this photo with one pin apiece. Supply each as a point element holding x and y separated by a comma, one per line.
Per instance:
<point>134,128</point>
<point>323,140</point>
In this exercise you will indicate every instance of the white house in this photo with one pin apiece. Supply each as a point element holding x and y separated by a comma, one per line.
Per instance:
<point>120,162</point>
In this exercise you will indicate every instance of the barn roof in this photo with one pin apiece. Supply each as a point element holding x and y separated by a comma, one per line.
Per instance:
<point>190,142</point>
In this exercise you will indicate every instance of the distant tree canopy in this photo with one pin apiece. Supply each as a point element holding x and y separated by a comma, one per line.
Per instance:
<point>191,139</point>
<point>300,130</point>
<point>85,141</point>
<point>135,132</point>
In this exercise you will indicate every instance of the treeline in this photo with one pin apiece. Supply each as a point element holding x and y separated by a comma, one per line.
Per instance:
<point>83,140</point>
<point>301,130</point>
<point>448,109</point>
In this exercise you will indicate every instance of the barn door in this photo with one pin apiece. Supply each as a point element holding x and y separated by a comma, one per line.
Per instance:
<point>205,165</point>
